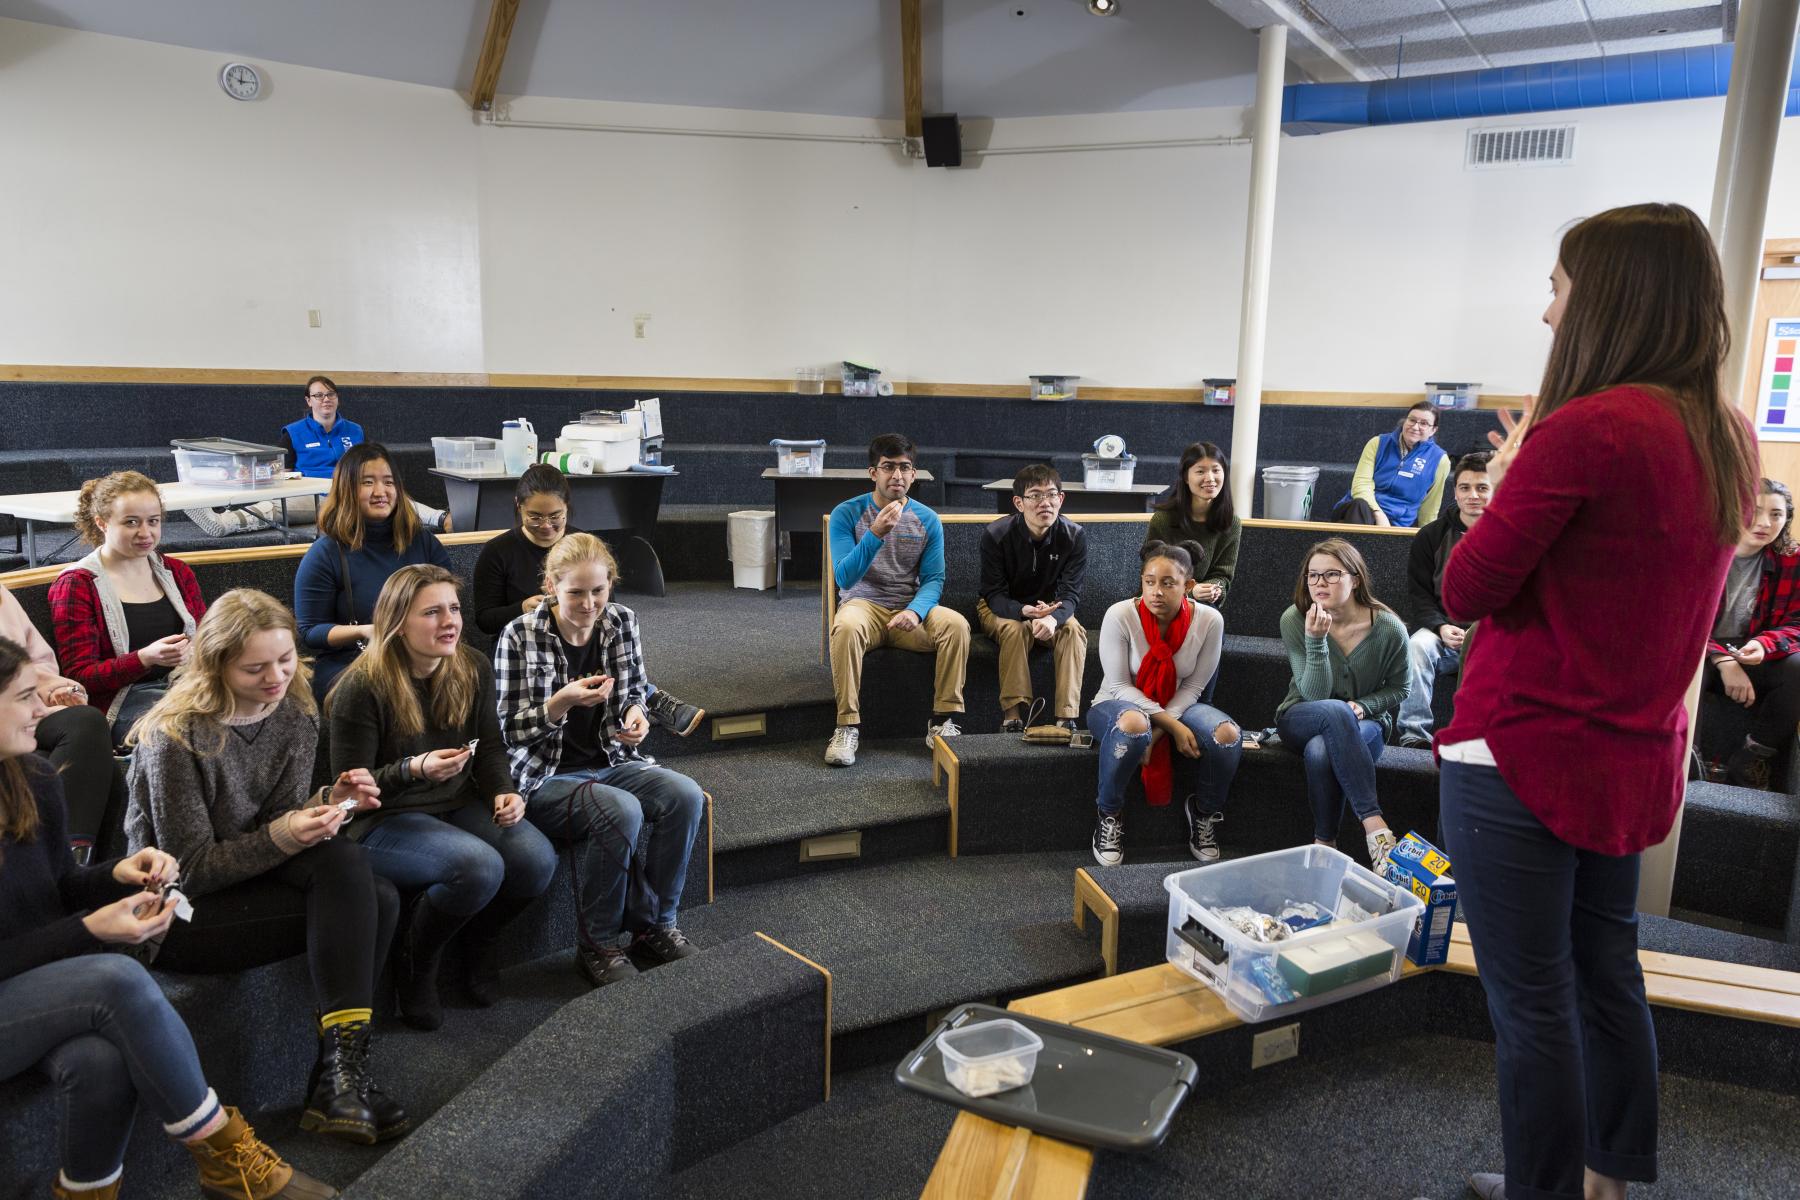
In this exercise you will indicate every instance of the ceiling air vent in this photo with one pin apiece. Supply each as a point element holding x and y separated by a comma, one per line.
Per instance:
<point>1521,146</point>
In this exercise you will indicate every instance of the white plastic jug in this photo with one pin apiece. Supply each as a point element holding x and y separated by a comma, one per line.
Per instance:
<point>518,445</point>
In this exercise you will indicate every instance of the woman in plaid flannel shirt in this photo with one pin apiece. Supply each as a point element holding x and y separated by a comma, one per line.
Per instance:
<point>1751,656</point>
<point>572,713</point>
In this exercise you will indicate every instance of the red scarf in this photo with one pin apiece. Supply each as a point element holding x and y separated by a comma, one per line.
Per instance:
<point>1156,679</point>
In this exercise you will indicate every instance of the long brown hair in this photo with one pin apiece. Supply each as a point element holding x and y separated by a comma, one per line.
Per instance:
<point>387,669</point>
<point>18,806</point>
<point>1646,306</point>
<point>198,697</point>
<point>341,517</point>
<point>1347,553</point>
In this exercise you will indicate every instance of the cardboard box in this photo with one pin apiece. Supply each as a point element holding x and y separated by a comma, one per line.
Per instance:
<point>1424,870</point>
<point>1325,965</point>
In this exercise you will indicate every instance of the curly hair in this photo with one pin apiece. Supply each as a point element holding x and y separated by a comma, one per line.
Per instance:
<point>97,496</point>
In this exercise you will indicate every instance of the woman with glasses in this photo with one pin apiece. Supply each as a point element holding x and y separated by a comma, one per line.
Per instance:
<point>509,575</point>
<point>1400,477</point>
<point>1348,654</point>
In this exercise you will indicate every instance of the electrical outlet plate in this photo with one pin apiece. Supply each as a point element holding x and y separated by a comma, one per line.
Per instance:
<point>640,324</point>
<point>1275,1046</point>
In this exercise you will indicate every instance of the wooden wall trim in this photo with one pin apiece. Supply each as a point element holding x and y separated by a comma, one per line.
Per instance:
<point>247,377</point>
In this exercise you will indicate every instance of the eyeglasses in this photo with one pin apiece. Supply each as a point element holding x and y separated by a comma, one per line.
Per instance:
<point>1328,576</point>
<point>1420,423</point>
<point>1040,497</point>
<point>321,395</point>
<point>537,522</point>
<point>895,468</point>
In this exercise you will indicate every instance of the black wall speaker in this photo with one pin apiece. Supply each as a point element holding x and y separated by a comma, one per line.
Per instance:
<point>943,141</point>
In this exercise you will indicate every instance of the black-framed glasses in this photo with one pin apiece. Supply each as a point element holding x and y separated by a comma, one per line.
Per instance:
<point>1037,497</point>
<point>321,395</point>
<point>895,468</point>
<point>1328,576</point>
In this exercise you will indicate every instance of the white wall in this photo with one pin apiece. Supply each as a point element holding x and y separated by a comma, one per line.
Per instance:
<point>145,219</point>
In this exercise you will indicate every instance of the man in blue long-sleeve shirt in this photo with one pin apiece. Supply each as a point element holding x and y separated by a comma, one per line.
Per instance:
<point>887,556</point>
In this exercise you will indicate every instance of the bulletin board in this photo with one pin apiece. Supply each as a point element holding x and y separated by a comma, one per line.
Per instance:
<point>1777,402</point>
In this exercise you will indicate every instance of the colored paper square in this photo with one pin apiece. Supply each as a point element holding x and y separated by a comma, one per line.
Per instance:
<point>1785,346</point>
<point>1777,416</point>
<point>1778,400</point>
<point>1785,364</point>
<point>1780,383</point>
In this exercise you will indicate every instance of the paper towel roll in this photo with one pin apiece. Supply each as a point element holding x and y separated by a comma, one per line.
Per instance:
<point>570,464</point>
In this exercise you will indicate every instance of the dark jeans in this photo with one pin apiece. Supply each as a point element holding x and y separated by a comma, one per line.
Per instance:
<point>1340,753</point>
<point>138,701</point>
<point>102,1031</point>
<point>627,883</point>
<point>461,859</point>
<point>1555,931</point>
<point>324,902</point>
<point>1776,712</point>
<point>1354,512</point>
<point>78,744</point>
<point>1121,753</point>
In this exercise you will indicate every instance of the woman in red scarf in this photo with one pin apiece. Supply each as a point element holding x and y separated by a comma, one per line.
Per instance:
<point>1157,652</point>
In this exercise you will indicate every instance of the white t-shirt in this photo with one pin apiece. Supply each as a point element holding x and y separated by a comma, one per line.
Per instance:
<point>1123,647</point>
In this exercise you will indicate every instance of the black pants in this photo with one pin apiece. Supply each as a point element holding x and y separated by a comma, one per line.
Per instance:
<point>79,745</point>
<point>1555,930</point>
<point>323,902</point>
<point>1354,512</point>
<point>1777,709</point>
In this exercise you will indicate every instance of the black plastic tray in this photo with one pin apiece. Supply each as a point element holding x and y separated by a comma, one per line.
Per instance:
<point>1088,1087</point>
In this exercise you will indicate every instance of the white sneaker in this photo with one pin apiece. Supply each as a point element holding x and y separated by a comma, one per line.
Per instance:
<point>1488,1186</point>
<point>947,728</point>
<point>1203,843</point>
<point>842,750</point>
<point>1109,841</point>
<point>1381,843</point>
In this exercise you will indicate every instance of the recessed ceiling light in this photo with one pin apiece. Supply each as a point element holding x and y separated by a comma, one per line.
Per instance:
<point>1670,29</point>
<point>1104,8</point>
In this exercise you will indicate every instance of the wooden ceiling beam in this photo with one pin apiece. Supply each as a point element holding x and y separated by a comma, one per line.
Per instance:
<point>493,54</point>
<point>912,66</point>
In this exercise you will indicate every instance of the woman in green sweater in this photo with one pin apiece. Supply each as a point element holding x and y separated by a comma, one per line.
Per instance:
<point>1348,654</point>
<point>417,711</point>
<point>1199,510</point>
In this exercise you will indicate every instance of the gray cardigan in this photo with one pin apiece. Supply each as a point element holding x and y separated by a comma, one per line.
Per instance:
<point>1374,674</point>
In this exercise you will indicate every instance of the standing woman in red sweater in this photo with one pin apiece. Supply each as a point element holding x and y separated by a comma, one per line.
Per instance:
<point>1565,759</point>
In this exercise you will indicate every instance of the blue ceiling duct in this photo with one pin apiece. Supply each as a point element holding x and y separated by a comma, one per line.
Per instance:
<point>1503,91</point>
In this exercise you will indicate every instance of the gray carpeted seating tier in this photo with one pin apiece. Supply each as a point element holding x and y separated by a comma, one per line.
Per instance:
<point>622,1088</point>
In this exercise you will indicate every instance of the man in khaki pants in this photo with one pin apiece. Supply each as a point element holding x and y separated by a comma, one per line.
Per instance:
<point>1032,567</point>
<point>887,555</point>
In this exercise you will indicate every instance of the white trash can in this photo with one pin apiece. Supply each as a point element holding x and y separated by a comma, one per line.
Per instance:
<point>1288,492</point>
<point>750,545</point>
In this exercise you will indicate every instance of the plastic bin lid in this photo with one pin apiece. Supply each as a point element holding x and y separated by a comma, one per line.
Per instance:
<point>859,369</point>
<point>794,442</point>
<point>223,446</point>
<point>1435,384</point>
<point>1040,378</point>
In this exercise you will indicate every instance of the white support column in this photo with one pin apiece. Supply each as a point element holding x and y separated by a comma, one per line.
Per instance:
<point>1762,61</point>
<point>1259,246</point>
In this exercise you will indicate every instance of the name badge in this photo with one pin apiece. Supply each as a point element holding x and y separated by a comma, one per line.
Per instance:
<point>312,445</point>
<point>1404,474</point>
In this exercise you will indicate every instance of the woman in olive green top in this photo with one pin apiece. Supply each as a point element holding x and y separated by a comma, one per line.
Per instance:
<point>1348,653</point>
<point>1199,510</point>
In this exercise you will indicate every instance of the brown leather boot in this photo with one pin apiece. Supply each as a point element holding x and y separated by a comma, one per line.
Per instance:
<point>109,1192</point>
<point>235,1164</point>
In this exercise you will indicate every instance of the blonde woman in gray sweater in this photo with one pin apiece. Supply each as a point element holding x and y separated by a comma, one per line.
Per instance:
<point>220,779</point>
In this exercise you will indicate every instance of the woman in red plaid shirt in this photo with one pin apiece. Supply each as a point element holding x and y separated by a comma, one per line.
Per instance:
<point>124,615</point>
<point>1751,655</point>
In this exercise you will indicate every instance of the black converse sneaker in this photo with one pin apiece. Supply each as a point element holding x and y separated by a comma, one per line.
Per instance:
<point>1109,841</point>
<point>677,716</point>
<point>1203,843</point>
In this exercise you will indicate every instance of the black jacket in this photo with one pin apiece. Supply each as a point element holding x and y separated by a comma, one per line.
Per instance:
<point>1425,569</point>
<point>1016,571</point>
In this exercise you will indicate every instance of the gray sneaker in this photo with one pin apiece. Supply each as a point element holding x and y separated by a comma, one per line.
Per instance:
<point>842,750</point>
<point>947,728</point>
<point>1488,1186</point>
<point>1203,843</point>
<point>1109,841</point>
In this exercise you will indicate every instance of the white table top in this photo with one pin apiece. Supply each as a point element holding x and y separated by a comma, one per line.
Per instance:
<point>835,473</point>
<point>59,507</point>
<point>1076,485</point>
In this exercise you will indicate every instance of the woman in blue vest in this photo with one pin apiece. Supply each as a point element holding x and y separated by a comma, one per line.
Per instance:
<point>1400,478</point>
<point>316,441</point>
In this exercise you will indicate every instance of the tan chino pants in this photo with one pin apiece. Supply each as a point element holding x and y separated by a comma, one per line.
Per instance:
<point>861,625</point>
<point>1069,645</point>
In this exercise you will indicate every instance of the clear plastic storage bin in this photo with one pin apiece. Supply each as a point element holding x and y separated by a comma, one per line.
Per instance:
<point>799,457</point>
<point>989,1057</point>
<point>1453,395</point>
<point>1364,945</point>
<point>474,455</point>
<point>1054,387</point>
<point>1108,474</point>
<point>224,462</point>
<point>809,381</point>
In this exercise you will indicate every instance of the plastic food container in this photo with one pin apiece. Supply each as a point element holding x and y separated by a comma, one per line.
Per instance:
<point>809,381</point>
<point>1108,474</point>
<point>1453,395</point>
<point>474,455</point>
<point>1218,391</point>
<point>799,458</point>
<point>989,1057</point>
<point>1360,950</point>
<point>224,462</point>
<point>1054,387</point>
<point>614,446</point>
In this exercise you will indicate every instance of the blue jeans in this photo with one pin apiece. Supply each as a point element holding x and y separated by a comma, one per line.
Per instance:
<point>626,882</point>
<point>101,1029</point>
<point>1121,754</point>
<point>460,859</point>
<point>1555,931</point>
<point>1340,753</point>
<point>1426,658</point>
<point>138,701</point>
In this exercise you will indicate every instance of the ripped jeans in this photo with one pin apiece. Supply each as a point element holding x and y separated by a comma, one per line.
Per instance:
<point>1121,754</point>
